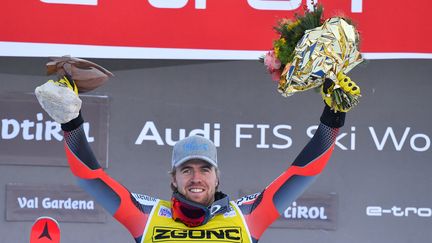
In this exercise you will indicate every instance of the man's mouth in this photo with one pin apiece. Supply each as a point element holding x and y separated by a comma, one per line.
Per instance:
<point>196,190</point>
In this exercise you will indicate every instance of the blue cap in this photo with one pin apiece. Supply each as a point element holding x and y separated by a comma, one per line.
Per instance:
<point>194,147</point>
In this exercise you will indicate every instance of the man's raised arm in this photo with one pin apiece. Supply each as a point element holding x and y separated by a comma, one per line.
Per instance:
<point>61,101</point>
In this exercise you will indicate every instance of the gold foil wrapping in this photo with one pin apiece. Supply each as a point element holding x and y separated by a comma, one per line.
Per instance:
<point>322,53</point>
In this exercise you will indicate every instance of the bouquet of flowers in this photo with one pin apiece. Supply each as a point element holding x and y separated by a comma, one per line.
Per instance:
<point>310,50</point>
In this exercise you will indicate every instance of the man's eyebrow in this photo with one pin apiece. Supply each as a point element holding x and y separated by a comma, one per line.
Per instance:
<point>206,166</point>
<point>185,167</point>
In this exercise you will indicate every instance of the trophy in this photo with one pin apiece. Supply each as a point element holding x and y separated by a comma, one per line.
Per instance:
<point>59,98</point>
<point>86,75</point>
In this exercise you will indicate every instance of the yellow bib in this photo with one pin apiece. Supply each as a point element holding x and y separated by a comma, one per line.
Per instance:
<point>223,228</point>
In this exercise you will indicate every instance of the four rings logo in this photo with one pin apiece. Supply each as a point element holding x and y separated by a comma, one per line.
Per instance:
<point>223,234</point>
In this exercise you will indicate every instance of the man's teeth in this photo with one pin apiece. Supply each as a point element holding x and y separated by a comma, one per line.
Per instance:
<point>196,190</point>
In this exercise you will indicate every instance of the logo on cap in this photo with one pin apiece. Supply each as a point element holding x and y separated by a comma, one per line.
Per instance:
<point>189,147</point>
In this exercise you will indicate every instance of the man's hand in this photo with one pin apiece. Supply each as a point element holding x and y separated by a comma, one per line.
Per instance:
<point>59,99</point>
<point>341,95</point>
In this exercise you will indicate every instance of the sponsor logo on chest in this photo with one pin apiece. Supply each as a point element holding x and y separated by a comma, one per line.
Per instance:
<point>221,234</point>
<point>165,212</point>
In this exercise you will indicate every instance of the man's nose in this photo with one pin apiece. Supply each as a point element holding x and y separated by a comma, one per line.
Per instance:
<point>196,176</point>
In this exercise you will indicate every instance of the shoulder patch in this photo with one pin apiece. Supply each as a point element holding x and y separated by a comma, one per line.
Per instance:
<point>246,199</point>
<point>144,199</point>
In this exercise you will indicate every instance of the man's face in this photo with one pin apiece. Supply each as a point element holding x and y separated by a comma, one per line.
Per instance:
<point>197,181</point>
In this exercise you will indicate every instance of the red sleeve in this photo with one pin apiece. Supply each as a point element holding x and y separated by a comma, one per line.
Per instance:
<point>261,211</point>
<point>113,196</point>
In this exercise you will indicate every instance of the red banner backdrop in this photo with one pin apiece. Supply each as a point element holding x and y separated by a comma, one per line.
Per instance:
<point>222,29</point>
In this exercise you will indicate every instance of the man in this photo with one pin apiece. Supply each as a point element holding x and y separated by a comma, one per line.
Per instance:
<point>197,211</point>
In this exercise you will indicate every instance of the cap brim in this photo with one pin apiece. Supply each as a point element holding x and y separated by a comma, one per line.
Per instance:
<point>191,157</point>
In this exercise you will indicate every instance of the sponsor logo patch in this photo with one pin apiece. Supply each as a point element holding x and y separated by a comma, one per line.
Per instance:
<point>230,213</point>
<point>165,212</point>
<point>246,199</point>
<point>222,234</point>
<point>144,199</point>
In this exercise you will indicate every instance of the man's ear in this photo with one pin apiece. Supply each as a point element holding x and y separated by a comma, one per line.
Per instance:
<point>174,182</point>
